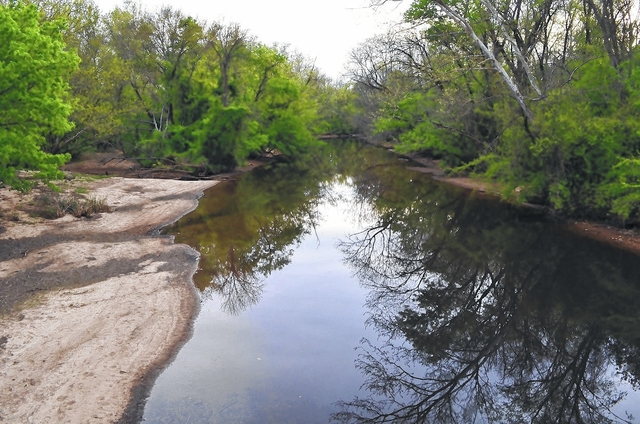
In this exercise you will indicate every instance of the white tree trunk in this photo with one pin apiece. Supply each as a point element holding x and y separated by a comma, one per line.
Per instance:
<point>514,45</point>
<point>489,55</point>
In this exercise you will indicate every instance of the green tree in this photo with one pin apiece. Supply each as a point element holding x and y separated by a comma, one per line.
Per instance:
<point>539,95</point>
<point>35,67</point>
<point>221,136</point>
<point>97,115</point>
<point>169,90</point>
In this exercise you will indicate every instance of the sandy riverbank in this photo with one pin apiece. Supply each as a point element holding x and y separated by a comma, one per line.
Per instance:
<point>92,308</point>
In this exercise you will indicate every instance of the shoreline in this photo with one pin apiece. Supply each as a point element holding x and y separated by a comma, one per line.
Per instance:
<point>100,305</point>
<point>626,239</point>
<point>107,302</point>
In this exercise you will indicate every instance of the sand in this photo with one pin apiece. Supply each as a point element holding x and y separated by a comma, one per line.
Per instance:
<point>92,309</point>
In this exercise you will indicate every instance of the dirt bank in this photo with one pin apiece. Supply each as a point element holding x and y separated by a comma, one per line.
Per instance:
<point>92,307</point>
<point>628,239</point>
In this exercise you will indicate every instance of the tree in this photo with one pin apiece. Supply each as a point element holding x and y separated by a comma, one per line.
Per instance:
<point>228,42</point>
<point>96,116</point>
<point>166,89</point>
<point>177,42</point>
<point>539,95</point>
<point>35,67</point>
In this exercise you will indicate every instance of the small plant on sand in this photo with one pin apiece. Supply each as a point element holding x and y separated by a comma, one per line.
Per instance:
<point>55,205</point>
<point>91,206</point>
<point>48,205</point>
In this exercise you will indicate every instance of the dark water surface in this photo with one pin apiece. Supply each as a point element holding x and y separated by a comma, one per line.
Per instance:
<point>349,288</point>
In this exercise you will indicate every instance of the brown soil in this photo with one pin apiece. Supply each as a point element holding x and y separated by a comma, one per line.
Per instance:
<point>115,164</point>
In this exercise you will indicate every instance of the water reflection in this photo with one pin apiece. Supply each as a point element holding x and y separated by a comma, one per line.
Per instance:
<point>483,312</point>
<point>246,230</point>
<point>488,314</point>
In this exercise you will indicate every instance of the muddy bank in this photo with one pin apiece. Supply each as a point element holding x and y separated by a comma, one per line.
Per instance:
<point>628,239</point>
<point>92,308</point>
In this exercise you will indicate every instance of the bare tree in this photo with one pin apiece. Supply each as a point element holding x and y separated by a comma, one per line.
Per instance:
<point>620,28</point>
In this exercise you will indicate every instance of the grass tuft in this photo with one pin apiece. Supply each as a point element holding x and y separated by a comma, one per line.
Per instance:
<point>54,205</point>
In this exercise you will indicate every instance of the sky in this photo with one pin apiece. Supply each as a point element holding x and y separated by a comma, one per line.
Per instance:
<point>325,31</point>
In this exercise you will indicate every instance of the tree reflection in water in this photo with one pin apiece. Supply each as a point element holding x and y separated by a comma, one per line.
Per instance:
<point>250,229</point>
<point>485,312</point>
<point>481,320</point>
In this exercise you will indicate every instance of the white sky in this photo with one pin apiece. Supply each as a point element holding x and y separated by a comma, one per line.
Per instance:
<point>325,30</point>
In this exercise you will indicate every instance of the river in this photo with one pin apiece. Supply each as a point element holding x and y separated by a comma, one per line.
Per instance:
<point>348,288</point>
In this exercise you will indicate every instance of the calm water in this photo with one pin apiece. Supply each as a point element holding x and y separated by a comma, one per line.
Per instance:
<point>349,288</point>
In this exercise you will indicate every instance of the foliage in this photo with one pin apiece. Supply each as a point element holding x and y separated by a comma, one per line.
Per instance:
<point>622,189</point>
<point>541,96</point>
<point>163,87</point>
<point>221,135</point>
<point>413,123</point>
<point>34,71</point>
<point>207,95</point>
<point>94,115</point>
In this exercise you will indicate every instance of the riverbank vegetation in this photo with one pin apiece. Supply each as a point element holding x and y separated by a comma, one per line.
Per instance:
<point>164,88</point>
<point>34,72</point>
<point>541,96</point>
<point>538,96</point>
